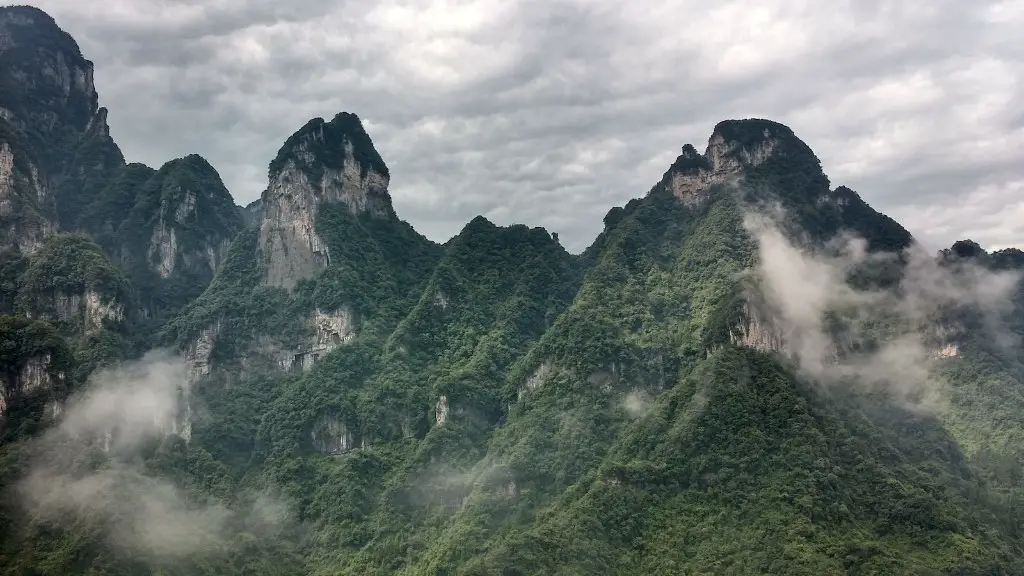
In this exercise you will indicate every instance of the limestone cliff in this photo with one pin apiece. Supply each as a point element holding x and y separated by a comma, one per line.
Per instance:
<point>323,162</point>
<point>35,366</point>
<point>331,436</point>
<point>195,221</point>
<point>47,83</point>
<point>47,94</point>
<point>176,233</point>
<point>728,153</point>
<point>27,208</point>
<point>71,282</point>
<point>325,332</point>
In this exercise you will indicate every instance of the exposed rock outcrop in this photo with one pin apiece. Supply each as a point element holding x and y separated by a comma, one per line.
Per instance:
<point>757,332</point>
<point>50,94</point>
<point>195,218</point>
<point>692,176</point>
<point>441,300</point>
<point>35,363</point>
<point>163,249</point>
<point>34,376</point>
<point>57,81</point>
<point>90,310</point>
<point>27,212</point>
<point>323,162</point>
<point>331,330</point>
<point>197,354</point>
<point>536,379</point>
<point>331,436</point>
<point>441,410</point>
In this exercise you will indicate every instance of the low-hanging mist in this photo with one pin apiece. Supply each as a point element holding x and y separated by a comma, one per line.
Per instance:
<point>846,314</point>
<point>92,468</point>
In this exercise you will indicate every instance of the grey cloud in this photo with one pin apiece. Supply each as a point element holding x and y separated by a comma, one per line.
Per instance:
<point>911,104</point>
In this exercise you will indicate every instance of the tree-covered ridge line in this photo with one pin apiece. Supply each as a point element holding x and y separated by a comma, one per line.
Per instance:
<point>705,390</point>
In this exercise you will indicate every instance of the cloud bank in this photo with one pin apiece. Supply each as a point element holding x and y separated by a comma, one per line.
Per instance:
<point>550,113</point>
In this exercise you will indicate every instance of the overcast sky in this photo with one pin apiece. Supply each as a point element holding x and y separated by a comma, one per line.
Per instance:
<point>550,112</point>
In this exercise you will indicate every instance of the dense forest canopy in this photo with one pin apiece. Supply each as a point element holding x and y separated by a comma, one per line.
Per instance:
<point>749,371</point>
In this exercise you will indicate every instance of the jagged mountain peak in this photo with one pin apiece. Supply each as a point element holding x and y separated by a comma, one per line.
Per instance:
<point>47,94</point>
<point>752,132</point>
<point>45,81</point>
<point>479,222</point>
<point>23,14</point>
<point>193,161</point>
<point>186,216</point>
<point>330,145</point>
<point>480,228</point>
<point>968,250</point>
<point>734,147</point>
<point>192,177</point>
<point>322,162</point>
<point>24,26</point>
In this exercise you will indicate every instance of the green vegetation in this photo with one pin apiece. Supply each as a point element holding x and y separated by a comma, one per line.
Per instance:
<point>70,264</point>
<point>21,342</point>
<point>179,225</point>
<point>324,141</point>
<point>500,406</point>
<point>598,422</point>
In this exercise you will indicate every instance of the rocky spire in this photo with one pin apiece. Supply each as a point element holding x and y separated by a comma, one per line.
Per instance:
<point>734,146</point>
<point>47,94</point>
<point>322,162</point>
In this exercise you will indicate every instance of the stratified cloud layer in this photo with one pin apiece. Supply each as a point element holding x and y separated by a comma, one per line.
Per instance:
<point>549,113</point>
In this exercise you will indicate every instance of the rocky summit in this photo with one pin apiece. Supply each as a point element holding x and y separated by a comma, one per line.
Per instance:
<point>749,371</point>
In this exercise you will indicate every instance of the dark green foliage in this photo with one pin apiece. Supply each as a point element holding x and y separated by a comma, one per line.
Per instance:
<point>23,341</point>
<point>376,264</point>
<point>750,132</point>
<point>1008,259</point>
<point>71,264</point>
<point>12,267</point>
<point>690,160</point>
<point>186,199</point>
<point>105,214</point>
<point>378,267</point>
<point>91,160</point>
<point>503,407</point>
<point>326,142</point>
<point>59,279</point>
<point>882,232</point>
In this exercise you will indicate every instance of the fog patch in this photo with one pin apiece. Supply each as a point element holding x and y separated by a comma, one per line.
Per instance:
<point>90,470</point>
<point>449,486</point>
<point>883,337</point>
<point>636,404</point>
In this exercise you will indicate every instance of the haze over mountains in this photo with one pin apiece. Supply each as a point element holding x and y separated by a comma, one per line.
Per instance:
<point>748,371</point>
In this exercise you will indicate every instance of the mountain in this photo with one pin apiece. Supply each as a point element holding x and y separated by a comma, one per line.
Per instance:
<point>48,95</point>
<point>748,371</point>
<point>61,170</point>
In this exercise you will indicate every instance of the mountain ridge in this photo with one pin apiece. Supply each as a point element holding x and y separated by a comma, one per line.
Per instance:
<point>747,371</point>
